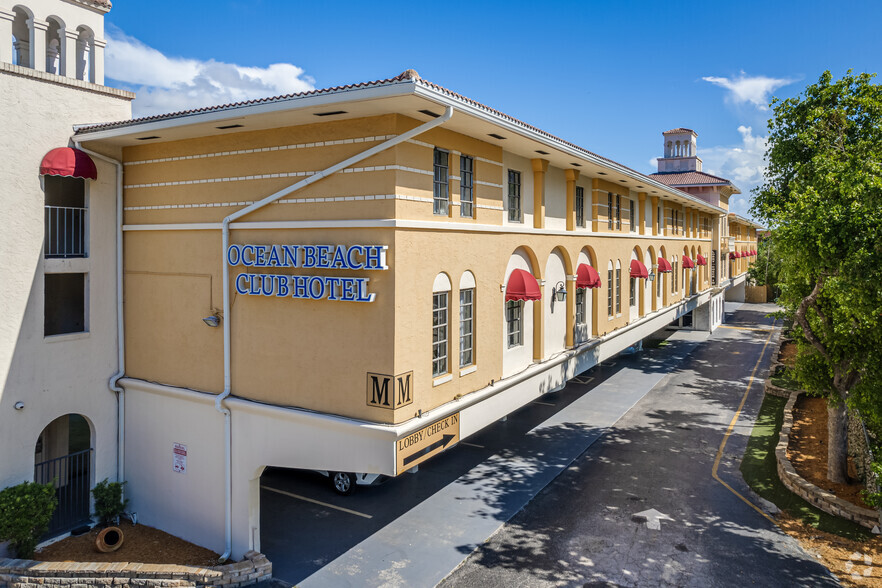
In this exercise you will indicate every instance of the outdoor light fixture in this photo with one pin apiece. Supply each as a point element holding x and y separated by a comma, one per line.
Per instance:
<point>212,321</point>
<point>560,292</point>
<point>651,276</point>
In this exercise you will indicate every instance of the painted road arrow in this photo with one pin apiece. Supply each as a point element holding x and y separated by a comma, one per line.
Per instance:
<point>427,450</point>
<point>652,517</point>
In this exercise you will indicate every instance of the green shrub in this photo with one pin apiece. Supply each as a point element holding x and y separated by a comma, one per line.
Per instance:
<point>108,501</point>
<point>874,499</point>
<point>25,512</point>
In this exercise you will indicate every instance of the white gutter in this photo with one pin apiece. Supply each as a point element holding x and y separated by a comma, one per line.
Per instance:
<point>120,324</point>
<point>227,312</point>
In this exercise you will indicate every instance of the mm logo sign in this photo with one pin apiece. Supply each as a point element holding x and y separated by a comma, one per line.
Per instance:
<point>384,391</point>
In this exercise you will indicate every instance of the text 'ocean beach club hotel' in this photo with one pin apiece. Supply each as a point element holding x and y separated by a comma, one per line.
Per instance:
<point>354,279</point>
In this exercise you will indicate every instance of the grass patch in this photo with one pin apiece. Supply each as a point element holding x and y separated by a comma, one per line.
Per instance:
<point>760,471</point>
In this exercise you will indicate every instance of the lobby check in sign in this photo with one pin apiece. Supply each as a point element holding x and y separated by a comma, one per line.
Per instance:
<point>426,442</point>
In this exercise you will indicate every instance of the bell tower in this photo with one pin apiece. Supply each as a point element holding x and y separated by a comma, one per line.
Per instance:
<point>679,149</point>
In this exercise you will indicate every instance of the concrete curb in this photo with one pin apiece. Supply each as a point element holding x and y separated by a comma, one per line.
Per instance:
<point>822,499</point>
<point>23,573</point>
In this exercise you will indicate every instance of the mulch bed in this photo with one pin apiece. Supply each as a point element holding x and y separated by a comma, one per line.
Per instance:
<point>787,353</point>
<point>142,544</point>
<point>808,450</point>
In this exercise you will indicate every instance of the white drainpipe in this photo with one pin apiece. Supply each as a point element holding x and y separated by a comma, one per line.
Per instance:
<point>227,312</point>
<point>120,325</point>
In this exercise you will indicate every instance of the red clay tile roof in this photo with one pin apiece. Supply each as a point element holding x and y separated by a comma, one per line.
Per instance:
<point>680,130</point>
<point>103,4</point>
<point>690,178</point>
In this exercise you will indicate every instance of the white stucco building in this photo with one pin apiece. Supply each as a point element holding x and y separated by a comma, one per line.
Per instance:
<point>58,332</point>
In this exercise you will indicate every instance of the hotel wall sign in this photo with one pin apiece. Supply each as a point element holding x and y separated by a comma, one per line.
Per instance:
<point>307,287</point>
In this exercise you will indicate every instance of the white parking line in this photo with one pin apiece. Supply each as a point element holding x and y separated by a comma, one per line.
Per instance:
<point>582,380</point>
<point>320,503</point>
<point>472,444</point>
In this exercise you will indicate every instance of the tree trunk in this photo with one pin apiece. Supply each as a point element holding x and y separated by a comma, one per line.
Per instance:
<point>837,443</point>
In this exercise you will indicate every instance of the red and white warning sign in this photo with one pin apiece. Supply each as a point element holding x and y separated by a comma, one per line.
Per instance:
<point>179,454</point>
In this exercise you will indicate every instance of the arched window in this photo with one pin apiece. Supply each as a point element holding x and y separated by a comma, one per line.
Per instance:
<point>85,54</point>
<point>55,46</point>
<point>467,319</point>
<point>610,289</point>
<point>440,321</point>
<point>618,287</point>
<point>23,36</point>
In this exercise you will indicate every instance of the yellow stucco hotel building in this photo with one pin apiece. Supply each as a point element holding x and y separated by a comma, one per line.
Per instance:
<point>354,279</point>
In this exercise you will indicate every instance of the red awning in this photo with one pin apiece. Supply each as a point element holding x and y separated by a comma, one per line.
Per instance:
<point>733,255</point>
<point>68,162</point>
<point>638,270</point>
<point>688,263</point>
<point>522,286</point>
<point>753,252</point>
<point>664,266</point>
<point>587,277</point>
<point>700,260</point>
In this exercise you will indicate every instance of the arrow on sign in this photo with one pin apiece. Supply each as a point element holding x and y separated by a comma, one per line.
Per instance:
<point>653,518</point>
<point>427,450</point>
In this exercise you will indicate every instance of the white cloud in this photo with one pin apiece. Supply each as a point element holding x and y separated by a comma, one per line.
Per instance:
<point>744,164</point>
<point>755,90</point>
<point>167,84</point>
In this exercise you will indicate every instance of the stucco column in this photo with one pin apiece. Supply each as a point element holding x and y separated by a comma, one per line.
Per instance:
<point>70,53</point>
<point>38,46</point>
<point>540,166</point>
<point>654,201</point>
<point>98,66</point>
<point>571,308</point>
<point>641,212</point>
<point>595,200</point>
<point>572,175</point>
<point>641,285</point>
<point>6,19</point>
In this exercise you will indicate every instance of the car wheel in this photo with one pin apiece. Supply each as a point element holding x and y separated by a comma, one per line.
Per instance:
<point>343,483</point>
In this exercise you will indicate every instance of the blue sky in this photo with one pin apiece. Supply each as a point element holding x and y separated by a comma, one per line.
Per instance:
<point>609,76</point>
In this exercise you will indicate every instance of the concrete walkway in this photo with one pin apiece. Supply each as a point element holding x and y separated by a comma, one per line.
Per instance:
<point>424,545</point>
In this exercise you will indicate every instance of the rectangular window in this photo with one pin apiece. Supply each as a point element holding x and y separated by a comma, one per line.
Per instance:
<point>439,334</point>
<point>632,217</point>
<point>660,219</point>
<point>580,206</point>
<point>609,210</point>
<point>441,200</point>
<point>618,290</point>
<point>580,306</point>
<point>713,261</point>
<point>618,212</point>
<point>632,298</point>
<point>658,285</point>
<point>466,186</point>
<point>65,216</point>
<point>514,321</point>
<point>64,304</point>
<point>674,224</point>
<point>514,196</point>
<point>610,292</point>
<point>466,327</point>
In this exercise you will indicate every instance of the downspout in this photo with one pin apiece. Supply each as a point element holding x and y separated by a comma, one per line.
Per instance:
<point>120,324</point>
<point>227,311</point>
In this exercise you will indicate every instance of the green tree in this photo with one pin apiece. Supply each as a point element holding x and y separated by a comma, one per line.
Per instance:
<point>822,197</point>
<point>25,512</point>
<point>764,270</point>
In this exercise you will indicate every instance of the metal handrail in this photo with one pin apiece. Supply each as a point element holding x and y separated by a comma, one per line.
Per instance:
<point>65,231</point>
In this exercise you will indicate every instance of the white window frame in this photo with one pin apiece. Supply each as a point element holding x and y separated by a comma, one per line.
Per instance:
<point>440,333</point>
<point>466,327</point>
<point>514,319</point>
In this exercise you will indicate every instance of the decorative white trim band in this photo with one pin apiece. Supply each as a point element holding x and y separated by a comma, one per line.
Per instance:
<point>350,170</point>
<point>265,149</point>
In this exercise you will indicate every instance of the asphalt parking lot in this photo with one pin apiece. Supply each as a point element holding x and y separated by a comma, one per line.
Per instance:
<point>305,525</point>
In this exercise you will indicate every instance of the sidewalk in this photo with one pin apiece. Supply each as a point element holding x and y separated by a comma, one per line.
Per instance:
<point>424,545</point>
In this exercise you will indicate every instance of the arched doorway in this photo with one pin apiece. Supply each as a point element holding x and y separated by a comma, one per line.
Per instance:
<point>63,456</point>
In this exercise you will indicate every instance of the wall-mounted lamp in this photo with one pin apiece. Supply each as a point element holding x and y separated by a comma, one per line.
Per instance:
<point>560,292</point>
<point>651,277</point>
<point>18,405</point>
<point>212,321</point>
